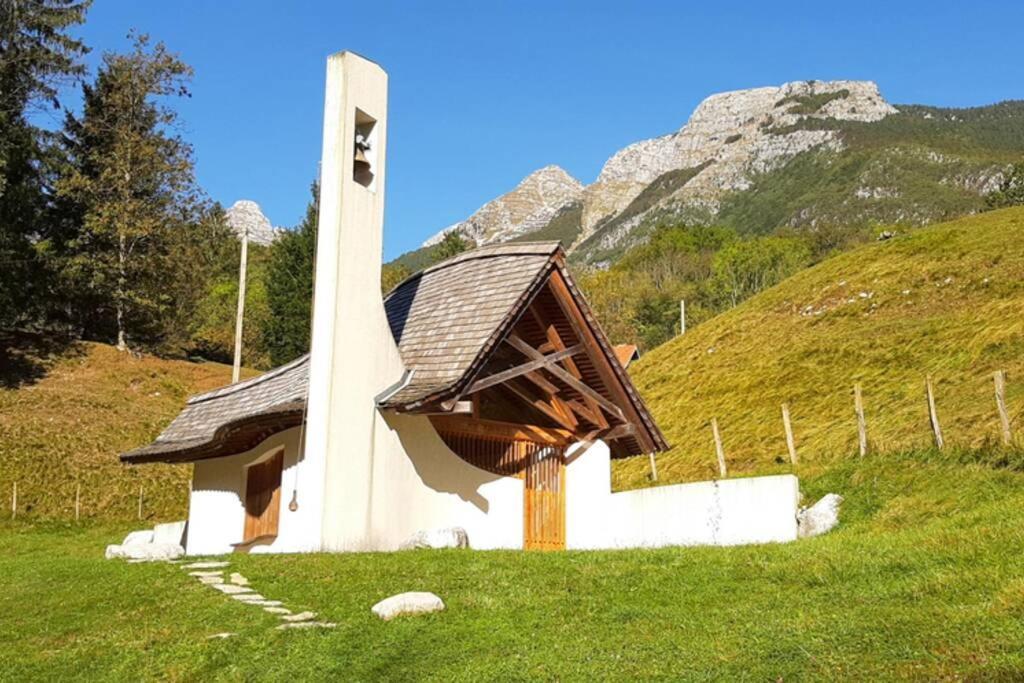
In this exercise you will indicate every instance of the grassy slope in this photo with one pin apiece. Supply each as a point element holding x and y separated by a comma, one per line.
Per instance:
<point>922,581</point>
<point>945,300</point>
<point>66,413</point>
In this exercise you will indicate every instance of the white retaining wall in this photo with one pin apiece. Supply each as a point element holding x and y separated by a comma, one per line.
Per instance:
<point>725,512</point>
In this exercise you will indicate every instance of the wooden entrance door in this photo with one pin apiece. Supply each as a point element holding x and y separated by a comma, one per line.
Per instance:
<point>263,497</point>
<point>544,502</point>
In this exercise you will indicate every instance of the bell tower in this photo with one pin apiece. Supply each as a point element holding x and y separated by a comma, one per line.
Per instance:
<point>353,357</point>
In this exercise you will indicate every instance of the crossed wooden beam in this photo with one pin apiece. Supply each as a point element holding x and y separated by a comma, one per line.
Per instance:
<point>554,356</point>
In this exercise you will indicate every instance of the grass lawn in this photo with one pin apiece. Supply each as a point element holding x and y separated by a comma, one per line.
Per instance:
<point>924,580</point>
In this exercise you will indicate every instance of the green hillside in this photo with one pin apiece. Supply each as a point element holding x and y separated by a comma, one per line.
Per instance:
<point>66,411</point>
<point>945,300</point>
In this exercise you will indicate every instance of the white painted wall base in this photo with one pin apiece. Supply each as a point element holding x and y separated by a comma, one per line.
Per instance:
<point>725,512</point>
<point>418,484</point>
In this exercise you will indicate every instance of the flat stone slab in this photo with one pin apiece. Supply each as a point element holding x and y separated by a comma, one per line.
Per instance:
<point>238,579</point>
<point>208,573</point>
<point>301,616</point>
<point>307,624</point>
<point>144,551</point>
<point>277,610</point>
<point>267,603</point>
<point>220,636</point>
<point>230,589</point>
<point>414,602</point>
<point>248,597</point>
<point>204,565</point>
<point>211,580</point>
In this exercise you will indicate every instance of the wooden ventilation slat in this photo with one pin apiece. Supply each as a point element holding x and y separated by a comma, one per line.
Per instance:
<point>544,499</point>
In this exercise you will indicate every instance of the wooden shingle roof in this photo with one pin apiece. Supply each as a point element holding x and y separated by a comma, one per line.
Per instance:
<point>446,317</point>
<point>446,320</point>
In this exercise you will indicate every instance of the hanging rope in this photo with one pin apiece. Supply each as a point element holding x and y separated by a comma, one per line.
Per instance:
<point>294,504</point>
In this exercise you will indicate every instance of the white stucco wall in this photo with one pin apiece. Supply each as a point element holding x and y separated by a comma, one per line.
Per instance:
<point>724,512</point>
<point>417,483</point>
<point>217,504</point>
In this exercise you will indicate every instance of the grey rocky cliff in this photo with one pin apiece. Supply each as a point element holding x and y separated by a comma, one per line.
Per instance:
<point>737,134</point>
<point>247,215</point>
<point>527,208</point>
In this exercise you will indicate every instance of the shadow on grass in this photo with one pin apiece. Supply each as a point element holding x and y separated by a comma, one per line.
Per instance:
<point>25,357</point>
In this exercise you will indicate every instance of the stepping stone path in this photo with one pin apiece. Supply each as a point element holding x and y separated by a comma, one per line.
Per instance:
<point>236,586</point>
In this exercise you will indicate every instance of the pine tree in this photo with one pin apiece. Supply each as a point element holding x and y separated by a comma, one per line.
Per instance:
<point>289,289</point>
<point>130,179</point>
<point>36,57</point>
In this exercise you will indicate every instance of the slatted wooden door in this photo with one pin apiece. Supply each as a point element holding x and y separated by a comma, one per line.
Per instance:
<point>263,497</point>
<point>544,502</point>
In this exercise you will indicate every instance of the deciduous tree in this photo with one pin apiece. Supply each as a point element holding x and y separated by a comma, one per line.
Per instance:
<point>130,179</point>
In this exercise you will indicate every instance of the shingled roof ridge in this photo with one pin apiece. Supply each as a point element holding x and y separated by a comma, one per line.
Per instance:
<point>540,248</point>
<point>241,386</point>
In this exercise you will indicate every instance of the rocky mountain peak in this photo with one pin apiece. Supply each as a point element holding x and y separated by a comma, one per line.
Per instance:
<point>729,139</point>
<point>736,134</point>
<point>246,215</point>
<point>527,208</point>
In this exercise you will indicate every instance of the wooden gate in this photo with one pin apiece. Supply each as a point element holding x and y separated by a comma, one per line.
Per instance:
<point>544,499</point>
<point>263,497</point>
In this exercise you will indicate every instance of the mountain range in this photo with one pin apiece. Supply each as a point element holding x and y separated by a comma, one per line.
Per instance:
<point>802,156</point>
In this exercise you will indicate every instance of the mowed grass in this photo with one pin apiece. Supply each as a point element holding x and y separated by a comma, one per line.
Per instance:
<point>922,581</point>
<point>946,300</point>
<point>68,410</point>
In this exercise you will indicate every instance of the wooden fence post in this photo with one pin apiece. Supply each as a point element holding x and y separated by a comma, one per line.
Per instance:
<point>14,501</point>
<point>682,316</point>
<point>654,467</point>
<point>790,443</point>
<point>1004,416</point>
<point>933,416</point>
<point>862,425</point>
<point>78,500</point>
<point>140,502</point>
<point>719,451</point>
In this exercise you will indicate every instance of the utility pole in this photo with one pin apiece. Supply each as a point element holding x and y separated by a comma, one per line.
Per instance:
<point>237,369</point>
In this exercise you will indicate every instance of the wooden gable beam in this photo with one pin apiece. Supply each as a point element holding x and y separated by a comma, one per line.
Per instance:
<point>539,404</point>
<point>567,377</point>
<point>502,430</point>
<point>555,341</point>
<point>544,362</point>
<point>581,328</point>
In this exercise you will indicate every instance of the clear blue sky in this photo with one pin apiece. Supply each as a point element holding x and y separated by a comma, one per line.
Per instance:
<point>484,93</point>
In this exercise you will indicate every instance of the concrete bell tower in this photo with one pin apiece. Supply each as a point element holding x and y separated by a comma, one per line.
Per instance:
<point>353,356</point>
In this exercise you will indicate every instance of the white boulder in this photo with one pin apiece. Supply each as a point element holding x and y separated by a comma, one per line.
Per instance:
<point>452,537</point>
<point>415,602</point>
<point>151,552</point>
<point>172,532</point>
<point>820,518</point>
<point>138,537</point>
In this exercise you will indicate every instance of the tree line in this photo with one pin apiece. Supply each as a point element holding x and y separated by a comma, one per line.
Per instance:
<point>104,232</point>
